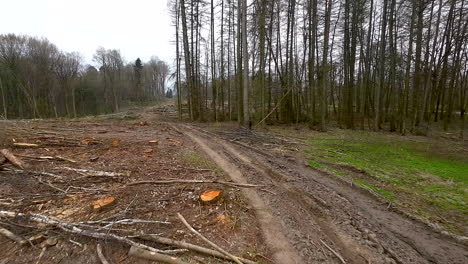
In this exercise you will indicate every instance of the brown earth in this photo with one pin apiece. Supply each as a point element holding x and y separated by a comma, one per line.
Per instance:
<point>296,215</point>
<point>120,147</point>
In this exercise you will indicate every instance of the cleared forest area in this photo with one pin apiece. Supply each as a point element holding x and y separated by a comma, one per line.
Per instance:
<point>281,131</point>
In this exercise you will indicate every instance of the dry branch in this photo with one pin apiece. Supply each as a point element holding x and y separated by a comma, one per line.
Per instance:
<point>12,158</point>
<point>72,228</point>
<point>25,145</point>
<point>48,158</point>
<point>222,251</point>
<point>7,233</point>
<point>101,256</point>
<point>94,172</point>
<point>245,185</point>
<point>334,252</point>
<point>192,247</point>
<point>153,256</point>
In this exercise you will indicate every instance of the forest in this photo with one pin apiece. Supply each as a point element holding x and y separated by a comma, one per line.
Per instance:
<point>38,80</point>
<point>399,65</point>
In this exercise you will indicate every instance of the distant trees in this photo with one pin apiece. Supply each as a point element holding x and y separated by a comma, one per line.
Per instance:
<point>37,80</point>
<point>392,64</point>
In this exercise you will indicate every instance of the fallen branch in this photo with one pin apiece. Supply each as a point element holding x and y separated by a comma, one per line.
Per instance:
<point>50,185</point>
<point>334,252</point>
<point>101,255</point>
<point>25,145</point>
<point>134,221</point>
<point>181,244</point>
<point>222,251</point>
<point>48,158</point>
<point>245,185</point>
<point>71,228</point>
<point>12,158</point>
<point>153,256</point>
<point>7,233</point>
<point>94,172</point>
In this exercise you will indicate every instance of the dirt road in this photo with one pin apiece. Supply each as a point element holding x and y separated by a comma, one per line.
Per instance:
<point>324,219</point>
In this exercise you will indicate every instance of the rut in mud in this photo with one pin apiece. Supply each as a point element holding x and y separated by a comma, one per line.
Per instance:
<point>326,220</point>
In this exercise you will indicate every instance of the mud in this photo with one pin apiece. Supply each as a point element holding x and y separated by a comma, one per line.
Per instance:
<point>318,212</point>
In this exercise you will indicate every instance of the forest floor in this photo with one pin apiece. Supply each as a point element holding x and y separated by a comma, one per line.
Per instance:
<point>336,197</point>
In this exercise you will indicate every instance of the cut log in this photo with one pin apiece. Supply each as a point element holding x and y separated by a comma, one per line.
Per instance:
<point>153,142</point>
<point>153,256</point>
<point>210,196</point>
<point>103,203</point>
<point>13,159</point>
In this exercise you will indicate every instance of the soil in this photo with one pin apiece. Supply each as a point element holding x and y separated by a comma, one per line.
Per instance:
<point>117,146</point>
<point>296,214</point>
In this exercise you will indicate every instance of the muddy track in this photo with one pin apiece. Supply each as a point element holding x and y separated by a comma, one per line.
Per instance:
<point>318,213</point>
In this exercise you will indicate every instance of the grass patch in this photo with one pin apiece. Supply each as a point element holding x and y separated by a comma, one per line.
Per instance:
<point>384,193</point>
<point>429,170</point>
<point>316,164</point>
<point>196,160</point>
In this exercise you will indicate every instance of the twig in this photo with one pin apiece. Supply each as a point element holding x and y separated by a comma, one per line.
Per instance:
<point>101,255</point>
<point>94,172</point>
<point>7,233</point>
<point>148,255</point>
<point>133,221</point>
<point>334,252</point>
<point>25,145</point>
<point>232,257</point>
<point>181,244</point>
<point>50,185</point>
<point>245,185</point>
<point>48,158</point>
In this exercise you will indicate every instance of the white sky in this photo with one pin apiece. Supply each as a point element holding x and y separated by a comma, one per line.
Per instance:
<point>138,28</point>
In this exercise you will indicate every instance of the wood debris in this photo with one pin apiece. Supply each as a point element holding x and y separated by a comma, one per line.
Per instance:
<point>210,196</point>
<point>115,142</point>
<point>13,159</point>
<point>103,203</point>
<point>25,145</point>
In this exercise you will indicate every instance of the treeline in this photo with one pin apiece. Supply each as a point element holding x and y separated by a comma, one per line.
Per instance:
<point>37,80</point>
<point>394,64</point>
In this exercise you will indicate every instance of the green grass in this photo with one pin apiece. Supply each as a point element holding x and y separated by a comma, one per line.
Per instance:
<point>426,169</point>
<point>384,193</point>
<point>195,159</point>
<point>316,164</point>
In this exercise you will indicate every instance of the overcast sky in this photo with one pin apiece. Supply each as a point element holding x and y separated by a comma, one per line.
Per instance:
<point>138,28</point>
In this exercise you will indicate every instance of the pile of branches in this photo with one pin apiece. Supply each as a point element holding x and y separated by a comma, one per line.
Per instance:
<point>34,137</point>
<point>109,228</point>
<point>105,230</point>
